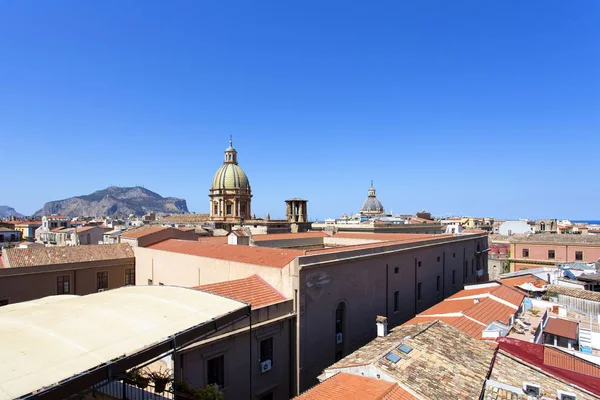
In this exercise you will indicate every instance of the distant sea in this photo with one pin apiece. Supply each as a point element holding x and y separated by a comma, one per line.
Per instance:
<point>590,222</point>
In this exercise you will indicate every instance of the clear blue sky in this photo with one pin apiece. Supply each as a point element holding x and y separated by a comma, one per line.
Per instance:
<point>465,107</point>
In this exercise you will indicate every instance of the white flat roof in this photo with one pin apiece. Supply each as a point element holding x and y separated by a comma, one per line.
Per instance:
<point>46,341</point>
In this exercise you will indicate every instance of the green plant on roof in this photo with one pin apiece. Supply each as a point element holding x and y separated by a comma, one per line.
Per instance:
<point>534,312</point>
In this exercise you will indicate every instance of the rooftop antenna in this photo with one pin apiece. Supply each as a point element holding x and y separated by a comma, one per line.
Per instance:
<point>231,140</point>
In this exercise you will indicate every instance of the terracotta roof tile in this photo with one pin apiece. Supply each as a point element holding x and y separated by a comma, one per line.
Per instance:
<point>344,386</point>
<point>476,292</point>
<point>520,280</point>
<point>489,310</point>
<point>509,294</point>
<point>444,362</point>
<point>265,256</point>
<point>562,327</point>
<point>253,290</point>
<point>449,307</point>
<point>29,257</point>
<point>142,231</point>
<point>464,324</point>
<point>574,292</point>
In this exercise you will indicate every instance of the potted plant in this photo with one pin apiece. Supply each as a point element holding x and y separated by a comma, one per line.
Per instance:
<point>160,379</point>
<point>141,379</point>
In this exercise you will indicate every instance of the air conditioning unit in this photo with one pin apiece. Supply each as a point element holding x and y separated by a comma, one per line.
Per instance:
<point>338,338</point>
<point>265,366</point>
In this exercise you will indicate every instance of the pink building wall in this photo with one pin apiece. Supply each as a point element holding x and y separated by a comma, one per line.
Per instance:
<point>563,253</point>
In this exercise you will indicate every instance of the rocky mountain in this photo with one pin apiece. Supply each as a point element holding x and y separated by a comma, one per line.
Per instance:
<point>115,201</point>
<point>6,211</point>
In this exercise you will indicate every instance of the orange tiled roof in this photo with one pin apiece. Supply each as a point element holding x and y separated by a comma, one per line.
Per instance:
<point>447,307</point>
<point>509,294</point>
<point>557,358</point>
<point>562,327</point>
<point>265,256</point>
<point>477,292</point>
<point>34,256</point>
<point>253,290</point>
<point>344,386</point>
<point>488,310</point>
<point>520,280</point>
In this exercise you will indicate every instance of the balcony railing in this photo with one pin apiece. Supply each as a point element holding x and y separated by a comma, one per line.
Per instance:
<point>123,390</point>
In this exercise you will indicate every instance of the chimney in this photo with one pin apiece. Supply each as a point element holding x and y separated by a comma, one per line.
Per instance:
<point>382,328</point>
<point>476,301</point>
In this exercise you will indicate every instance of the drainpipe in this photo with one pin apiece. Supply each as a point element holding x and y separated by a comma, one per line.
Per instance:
<point>416,288</point>
<point>250,351</point>
<point>387,276</point>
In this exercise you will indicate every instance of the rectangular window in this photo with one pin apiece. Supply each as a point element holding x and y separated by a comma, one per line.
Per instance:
<point>466,269</point>
<point>419,263</point>
<point>437,283</point>
<point>102,280</point>
<point>551,254</point>
<point>130,276</point>
<point>579,255</point>
<point>419,291</point>
<point>438,259</point>
<point>266,350</point>
<point>396,270</point>
<point>396,300</point>
<point>454,277</point>
<point>472,267</point>
<point>215,371</point>
<point>62,284</point>
<point>228,209</point>
<point>525,252</point>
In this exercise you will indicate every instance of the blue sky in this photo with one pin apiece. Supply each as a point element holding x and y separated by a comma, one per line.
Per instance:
<point>458,107</point>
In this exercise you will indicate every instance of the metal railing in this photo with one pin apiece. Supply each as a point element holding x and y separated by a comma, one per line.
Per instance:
<point>124,390</point>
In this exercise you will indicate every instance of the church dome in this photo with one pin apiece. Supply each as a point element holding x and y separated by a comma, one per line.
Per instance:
<point>230,176</point>
<point>372,205</point>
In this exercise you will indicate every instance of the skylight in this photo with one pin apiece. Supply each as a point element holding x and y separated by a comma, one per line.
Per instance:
<point>404,348</point>
<point>391,357</point>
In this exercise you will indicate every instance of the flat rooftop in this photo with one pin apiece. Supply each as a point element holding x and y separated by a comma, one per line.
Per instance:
<point>48,341</point>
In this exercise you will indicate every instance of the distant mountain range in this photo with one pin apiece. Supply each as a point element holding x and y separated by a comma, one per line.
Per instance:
<point>115,201</point>
<point>6,211</point>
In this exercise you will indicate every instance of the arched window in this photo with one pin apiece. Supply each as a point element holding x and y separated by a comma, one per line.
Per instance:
<point>340,321</point>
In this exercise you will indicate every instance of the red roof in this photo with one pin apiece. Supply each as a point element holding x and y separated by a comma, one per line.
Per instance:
<point>344,386</point>
<point>520,280</point>
<point>464,324</point>
<point>253,290</point>
<point>489,310</point>
<point>562,327</point>
<point>447,307</point>
<point>534,354</point>
<point>265,256</point>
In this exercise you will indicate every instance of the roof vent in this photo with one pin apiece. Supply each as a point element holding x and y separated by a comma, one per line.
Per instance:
<point>475,301</point>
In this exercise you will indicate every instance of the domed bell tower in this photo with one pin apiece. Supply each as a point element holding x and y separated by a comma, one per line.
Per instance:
<point>230,194</point>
